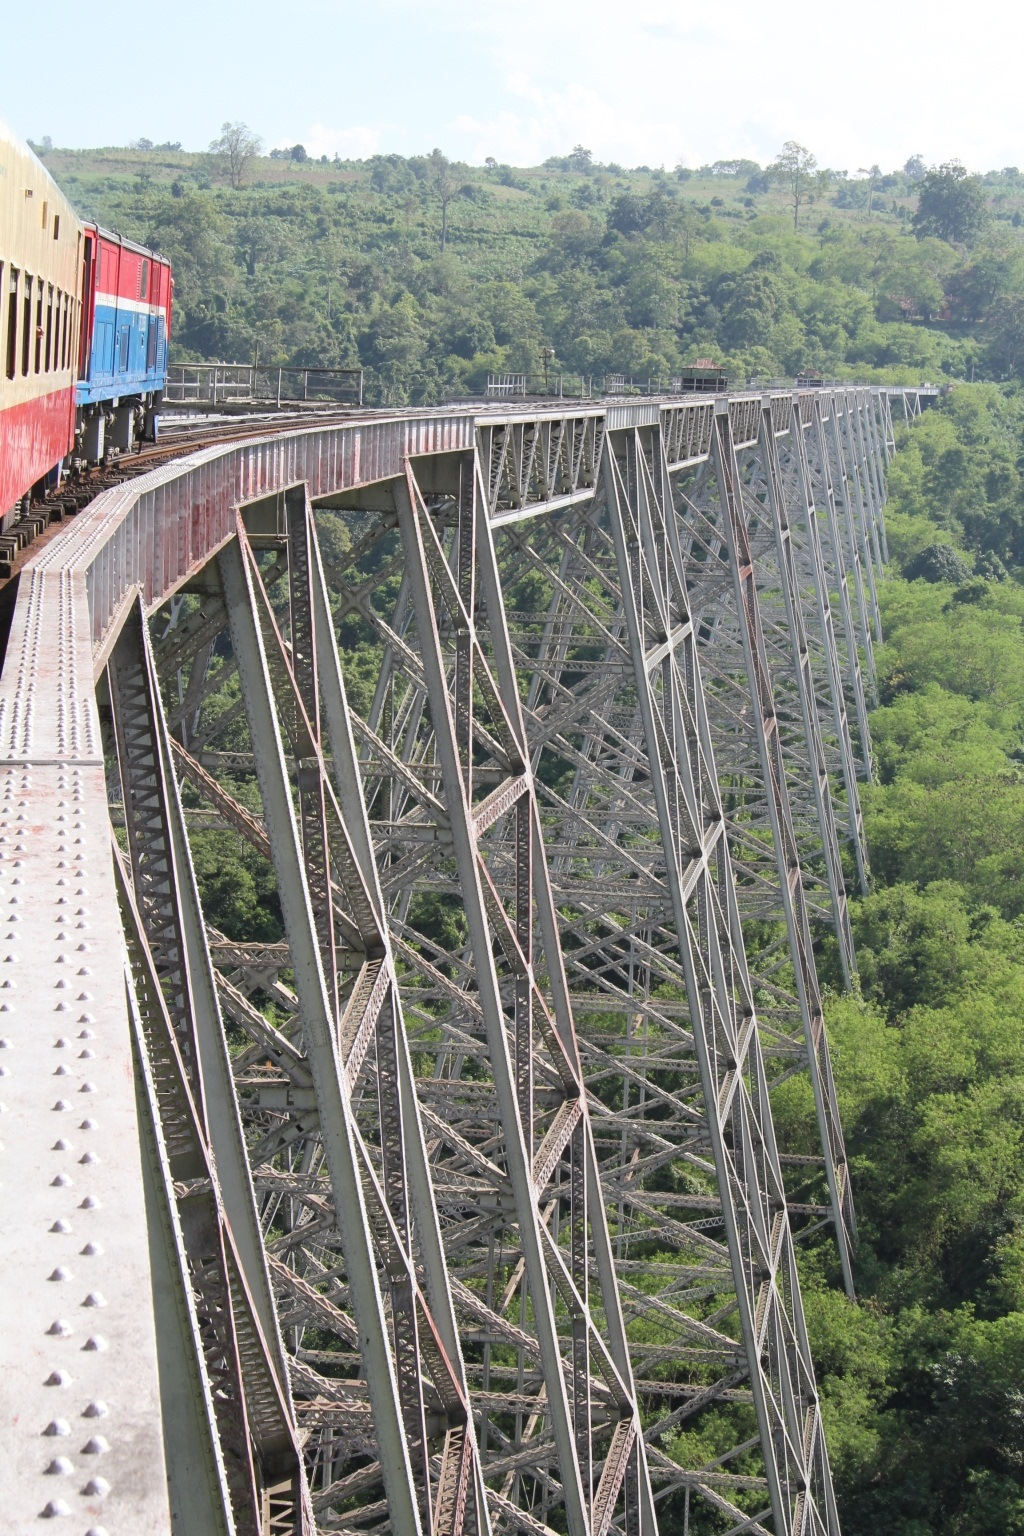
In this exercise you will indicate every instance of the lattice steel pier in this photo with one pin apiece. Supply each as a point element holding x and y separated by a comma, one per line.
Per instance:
<point>458,1206</point>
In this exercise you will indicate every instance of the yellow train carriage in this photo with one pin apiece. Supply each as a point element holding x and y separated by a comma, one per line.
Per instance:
<point>41,251</point>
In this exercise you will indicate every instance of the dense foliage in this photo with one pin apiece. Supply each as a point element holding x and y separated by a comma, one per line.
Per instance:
<point>432,275</point>
<point>924,1379</point>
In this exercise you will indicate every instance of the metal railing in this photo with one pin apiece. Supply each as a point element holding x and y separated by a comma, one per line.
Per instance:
<point>244,383</point>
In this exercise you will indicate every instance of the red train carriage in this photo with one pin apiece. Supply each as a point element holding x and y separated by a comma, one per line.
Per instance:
<point>41,260</point>
<point>125,336</point>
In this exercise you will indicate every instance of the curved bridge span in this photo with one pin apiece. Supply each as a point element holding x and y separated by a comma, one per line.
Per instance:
<point>441,1194</point>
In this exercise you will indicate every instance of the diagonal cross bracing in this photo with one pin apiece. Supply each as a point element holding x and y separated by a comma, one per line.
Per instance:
<point>454,1204</point>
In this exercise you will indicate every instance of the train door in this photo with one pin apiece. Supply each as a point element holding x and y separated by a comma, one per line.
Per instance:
<point>88,305</point>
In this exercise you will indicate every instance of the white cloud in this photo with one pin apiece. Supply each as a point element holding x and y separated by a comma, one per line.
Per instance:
<point>538,122</point>
<point>637,84</point>
<point>356,143</point>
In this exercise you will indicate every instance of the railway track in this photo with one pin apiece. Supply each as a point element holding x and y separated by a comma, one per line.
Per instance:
<point>178,437</point>
<point>46,515</point>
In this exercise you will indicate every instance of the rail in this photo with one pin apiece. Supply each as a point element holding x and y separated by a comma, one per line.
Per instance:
<point>223,384</point>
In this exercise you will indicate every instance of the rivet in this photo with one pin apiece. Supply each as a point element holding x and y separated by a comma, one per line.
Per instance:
<point>56,1507</point>
<point>87,1088</point>
<point>59,1328</point>
<point>86,1034</point>
<point>92,1249</point>
<point>95,1446</point>
<point>84,997</point>
<point>57,1427</point>
<point>96,1530</point>
<point>60,1071</point>
<point>97,1409</point>
<point>60,1182</point>
<point>94,1299</point>
<point>83,970</point>
<point>90,1203</point>
<point>61,1146</point>
<point>60,1225</point>
<point>89,1157</point>
<point>88,1125</point>
<point>58,1378</point>
<point>85,1018</point>
<point>60,1104</point>
<point>5,1044</point>
<point>60,1466</point>
<point>97,1487</point>
<point>86,1054</point>
<point>60,1273</point>
<point>95,1343</point>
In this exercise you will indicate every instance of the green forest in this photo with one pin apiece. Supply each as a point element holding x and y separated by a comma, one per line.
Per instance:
<point>431,274</point>
<point>588,269</point>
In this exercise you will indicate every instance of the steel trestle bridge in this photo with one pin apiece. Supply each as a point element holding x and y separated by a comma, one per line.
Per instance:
<point>459,1208</point>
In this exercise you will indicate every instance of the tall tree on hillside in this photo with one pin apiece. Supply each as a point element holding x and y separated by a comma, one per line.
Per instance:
<point>237,145</point>
<point>796,168</point>
<point>874,175</point>
<point>951,205</point>
<point>447,185</point>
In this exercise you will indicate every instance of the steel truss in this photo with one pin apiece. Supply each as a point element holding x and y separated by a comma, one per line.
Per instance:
<point>465,1206</point>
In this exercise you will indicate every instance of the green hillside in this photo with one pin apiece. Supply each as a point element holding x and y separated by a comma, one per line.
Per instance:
<point>572,266</point>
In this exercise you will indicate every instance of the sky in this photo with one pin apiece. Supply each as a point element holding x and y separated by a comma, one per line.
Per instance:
<point>640,82</point>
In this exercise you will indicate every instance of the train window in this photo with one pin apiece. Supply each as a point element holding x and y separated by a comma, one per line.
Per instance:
<point>56,226</point>
<point>49,327</point>
<point>39,324</point>
<point>46,214</point>
<point>26,319</point>
<point>151,340</point>
<point>144,281</point>
<point>125,338</point>
<point>12,325</point>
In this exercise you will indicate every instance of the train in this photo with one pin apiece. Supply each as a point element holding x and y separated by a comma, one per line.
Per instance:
<point>85,328</point>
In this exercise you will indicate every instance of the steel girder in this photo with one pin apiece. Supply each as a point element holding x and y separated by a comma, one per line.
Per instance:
<point>463,1198</point>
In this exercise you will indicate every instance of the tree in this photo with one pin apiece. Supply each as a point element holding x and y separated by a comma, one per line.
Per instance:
<point>447,187</point>
<point>951,205</point>
<point>581,159</point>
<point>915,169</point>
<point>237,145</point>
<point>874,175</point>
<point>796,168</point>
